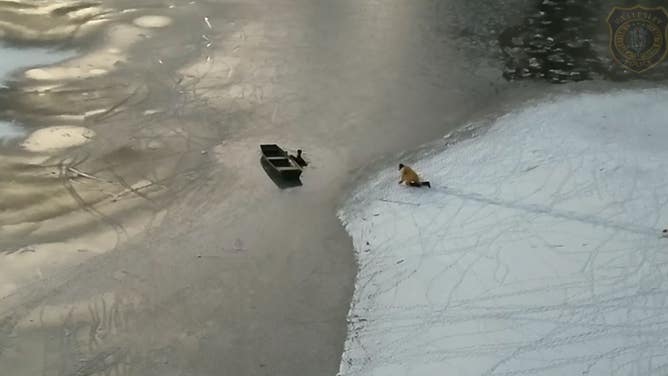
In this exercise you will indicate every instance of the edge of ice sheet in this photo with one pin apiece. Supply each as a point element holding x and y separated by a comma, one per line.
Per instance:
<point>537,252</point>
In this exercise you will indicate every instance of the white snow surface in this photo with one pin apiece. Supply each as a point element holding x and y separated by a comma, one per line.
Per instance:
<point>538,251</point>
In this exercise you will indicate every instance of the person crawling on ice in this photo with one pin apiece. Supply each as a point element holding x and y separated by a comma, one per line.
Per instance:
<point>410,177</point>
<point>300,161</point>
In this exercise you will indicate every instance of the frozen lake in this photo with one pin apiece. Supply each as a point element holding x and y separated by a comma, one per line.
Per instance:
<point>537,252</point>
<point>177,255</point>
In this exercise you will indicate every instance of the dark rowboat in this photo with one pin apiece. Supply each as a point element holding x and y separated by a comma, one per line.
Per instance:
<point>278,161</point>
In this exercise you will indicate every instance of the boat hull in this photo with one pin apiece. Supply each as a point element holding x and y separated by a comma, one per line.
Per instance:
<point>279,163</point>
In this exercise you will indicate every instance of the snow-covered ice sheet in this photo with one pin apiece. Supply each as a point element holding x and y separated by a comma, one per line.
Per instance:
<point>537,252</point>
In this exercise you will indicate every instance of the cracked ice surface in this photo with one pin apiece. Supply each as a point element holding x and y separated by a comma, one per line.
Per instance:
<point>537,252</point>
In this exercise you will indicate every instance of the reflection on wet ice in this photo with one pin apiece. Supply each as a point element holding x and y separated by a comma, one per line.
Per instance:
<point>30,21</point>
<point>10,131</point>
<point>14,58</point>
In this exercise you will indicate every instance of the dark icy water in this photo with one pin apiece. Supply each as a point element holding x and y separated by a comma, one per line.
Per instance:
<point>14,58</point>
<point>563,41</point>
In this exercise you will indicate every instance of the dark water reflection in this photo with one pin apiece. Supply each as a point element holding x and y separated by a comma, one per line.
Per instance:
<point>10,131</point>
<point>12,59</point>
